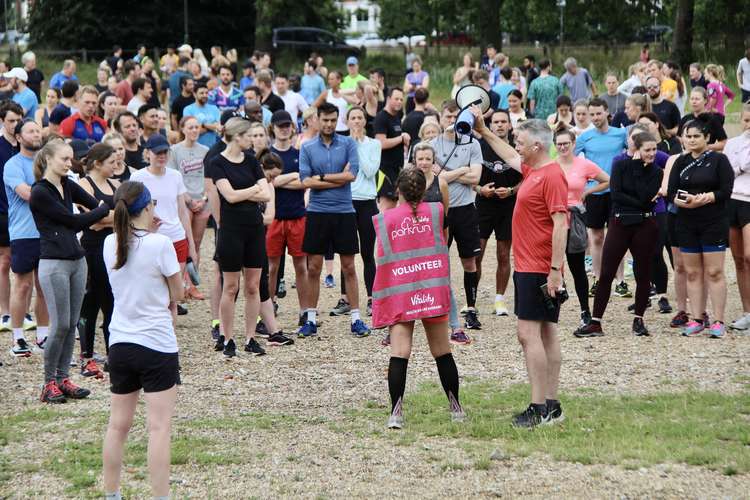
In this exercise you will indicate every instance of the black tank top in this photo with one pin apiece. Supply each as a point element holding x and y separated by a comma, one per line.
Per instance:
<point>433,194</point>
<point>95,239</point>
<point>124,176</point>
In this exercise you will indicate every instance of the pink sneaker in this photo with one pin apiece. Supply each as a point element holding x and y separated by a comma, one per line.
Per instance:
<point>692,329</point>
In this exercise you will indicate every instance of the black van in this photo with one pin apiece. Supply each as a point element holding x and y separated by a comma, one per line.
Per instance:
<point>306,40</point>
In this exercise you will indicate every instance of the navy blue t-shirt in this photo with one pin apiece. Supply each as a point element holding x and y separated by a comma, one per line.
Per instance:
<point>290,203</point>
<point>7,150</point>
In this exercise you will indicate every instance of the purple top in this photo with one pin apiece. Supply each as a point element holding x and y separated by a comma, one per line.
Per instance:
<point>660,161</point>
<point>415,79</point>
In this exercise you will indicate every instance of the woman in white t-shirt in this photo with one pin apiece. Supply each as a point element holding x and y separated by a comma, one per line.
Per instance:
<point>145,278</point>
<point>340,99</point>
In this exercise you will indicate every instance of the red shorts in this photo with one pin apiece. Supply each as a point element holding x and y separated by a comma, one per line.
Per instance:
<point>183,250</point>
<point>289,233</point>
<point>435,319</point>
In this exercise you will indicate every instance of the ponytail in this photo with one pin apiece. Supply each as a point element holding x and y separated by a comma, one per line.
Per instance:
<point>412,184</point>
<point>42,157</point>
<point>130,200</point>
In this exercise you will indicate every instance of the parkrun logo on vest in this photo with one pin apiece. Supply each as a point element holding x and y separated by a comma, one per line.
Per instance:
<point>411,226</point>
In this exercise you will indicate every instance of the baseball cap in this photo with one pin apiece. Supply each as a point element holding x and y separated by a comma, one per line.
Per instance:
<point>227,115</point>
<point>19,73</point>
<point>281,117</point>
<point>157,143</point>
<point>351,60</point>
<point>80,148</point>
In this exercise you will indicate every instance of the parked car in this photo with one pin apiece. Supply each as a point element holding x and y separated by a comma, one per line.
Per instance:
<point>372,40</point>
<point>306,39</point>
<point>653,33</point>
<point>454,38</point>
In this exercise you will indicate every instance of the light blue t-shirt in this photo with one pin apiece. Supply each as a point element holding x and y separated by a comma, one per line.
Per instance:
<point>316,158</point>
<point>311,86</point>
<point>503,89</point>
<point>207,113</point>
<point>19,170</point>
<point>27,100</point>
<point>57,80</point>
<point>601,148</point>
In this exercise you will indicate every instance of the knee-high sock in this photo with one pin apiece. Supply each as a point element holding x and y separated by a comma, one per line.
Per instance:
<point>470,286</point>
<point>448,373</point>
<point>397,380</point>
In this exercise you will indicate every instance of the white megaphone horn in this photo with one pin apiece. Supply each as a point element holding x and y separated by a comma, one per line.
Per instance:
<point>467,96</point>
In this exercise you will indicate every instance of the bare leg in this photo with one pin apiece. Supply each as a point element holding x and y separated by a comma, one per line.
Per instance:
<point>19,298</point>
<point>502,275</point>
<point>4,280</point>
<point>739,241</point>
<point>215,299</point>
<point>530,337</point>
<point>350,275</point>
<point>713,263</point>
<point>680,279</point>
<point>226,306</point>
<point>695,288</point>
<point>252,300</point>
<point>122,410</point>
<point>480,257</point>
<point>596,243</point>
<point>300,278</point>
<point>159,411</point>
<point>552,350</point>
<point>314,267</point>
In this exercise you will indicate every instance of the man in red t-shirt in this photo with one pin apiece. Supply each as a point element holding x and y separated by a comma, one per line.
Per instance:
<point>124,89</point>
<point>84,124</point>
<point>540,229</point>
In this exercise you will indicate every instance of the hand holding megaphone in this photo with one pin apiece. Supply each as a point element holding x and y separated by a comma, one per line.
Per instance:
<point>479,125</point>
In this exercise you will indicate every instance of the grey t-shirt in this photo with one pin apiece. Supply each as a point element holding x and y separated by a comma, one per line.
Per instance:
<point>463,156</point>
<point>578,84</point>
<point>189,162</point>
<point>615,102</point>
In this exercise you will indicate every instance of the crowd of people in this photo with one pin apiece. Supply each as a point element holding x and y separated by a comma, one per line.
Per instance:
<point>109,189</point>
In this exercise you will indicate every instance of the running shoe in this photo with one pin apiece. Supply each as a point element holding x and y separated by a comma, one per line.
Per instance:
<point>341,308</point>
<point>471,321</point>
<point>500,308</point>
<point>652,291</point>
<point>680,319</point>
<point>396,419</point>
<point>592,291</point>
<point>281,290</point>
<point>219,345</point>
<point>664,306</point>
<point>20,349</point>
<point>230,349</point>
<point>588,264</point>
<point>555,414</point>
<point>279,338</point>
<point>457,412</point>
<point>5,323</point>
<point>386,342</point>
<point>464,310</point>
<point>631,307</point>
<point>459,338</point>
<point>254,347</point>
<point>52,394</point>
<point>39,344</point>
<point>73,391</point>
<point>98,357</point>
<point>89,368</point>
<point>360,329</point>
<point>262,330</point>
<point>692,329</point>
<point>589,330</point>
<point>621,290</point>
<point>706,320</point>
<point>531,417</point>
<point>329,282</point>
<point>639,329</point>
<point>369,307</point>
<point>215,332</point>
<point>181,310</point>
<point>717,330</point>
<point>741,324</point>
<point>585,318</point>
<point>29,323</point>
<point>309,329</point>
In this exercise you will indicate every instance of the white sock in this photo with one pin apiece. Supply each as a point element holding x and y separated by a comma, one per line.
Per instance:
<point>355,315</point>
<point>311,315</point>
<point>17,334</point>
<point>41,333</point>
<point>499,296</point>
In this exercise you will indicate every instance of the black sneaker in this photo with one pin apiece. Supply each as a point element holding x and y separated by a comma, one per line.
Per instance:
<point>20,349</point>
<point>555,414</point>
<point>230,350</point>
<point>531,417</point>
<point>341,308</point>
<point>590,330</point>
<point>219,345</point>
<point>652,291</point>
<point>639,329</point>
<point>585,318</point>
<point>181,310</point>
<point>471,322</point>
<point>369,307</point>
<point>262,330</point>
<point>279,338</point>
<point>622,290</point>
<point>281,292</point>
<point>664,306</point>
<point>254,347</point>
<point>631,307</point>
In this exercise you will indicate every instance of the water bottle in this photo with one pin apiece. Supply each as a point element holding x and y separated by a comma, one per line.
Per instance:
<point>195,278</point>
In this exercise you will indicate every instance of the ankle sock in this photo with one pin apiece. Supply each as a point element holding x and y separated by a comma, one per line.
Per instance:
<point>397,380</point>
<point>311,315</point>
<point>41,333</point>
<point>355,315</point>
<point>17,334</point>
<point>499,296</point>
<point>215,323</point>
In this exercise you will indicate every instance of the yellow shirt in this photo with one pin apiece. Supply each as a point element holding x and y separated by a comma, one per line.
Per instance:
<point>669,89</point>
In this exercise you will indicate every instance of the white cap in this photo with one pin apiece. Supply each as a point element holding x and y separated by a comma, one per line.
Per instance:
<point>19,73</point>
<point>185,48</point>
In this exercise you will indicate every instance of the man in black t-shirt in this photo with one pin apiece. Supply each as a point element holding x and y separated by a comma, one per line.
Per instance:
<point>393,140</point>
<point>268,99</point>
<point>496,199</point>
<point>666,110</point>
<point>185,99</point>
<point>413,121</point>
<point>35,77</point>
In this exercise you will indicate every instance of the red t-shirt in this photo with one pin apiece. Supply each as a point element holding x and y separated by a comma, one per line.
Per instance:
<point>124,91</point>
<point>543,192</point>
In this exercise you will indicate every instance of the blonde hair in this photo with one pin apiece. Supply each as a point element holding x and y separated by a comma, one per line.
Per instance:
<point>113,136</point>
<point>42,157</point>
<point>424,128</point>
<point>641,100</point>
<point>716,70</point>
<point>235,127</point>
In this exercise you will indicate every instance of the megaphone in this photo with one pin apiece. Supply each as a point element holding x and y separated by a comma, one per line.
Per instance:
<point>467,96</point>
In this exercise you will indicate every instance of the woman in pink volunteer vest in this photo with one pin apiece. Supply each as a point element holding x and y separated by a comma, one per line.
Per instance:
<point>412,282</point>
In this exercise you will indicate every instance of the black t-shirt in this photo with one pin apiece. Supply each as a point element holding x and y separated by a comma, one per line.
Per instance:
<point>34,82</point>
<point>508,177</point>
<point>668,113</point>
<point>290,203</point>
<point>213,151</point>
<point>700,82</point>
<point>710,172</point>
<point>179,105</point>
<point>531,74</point>
<point>391,160</point>
<point>240,176</point>
<point>716,128</point>
<point>135,158</point>
<point>670,146</point>
<point>621,120</point>
<point>273,102</point>
<point>101,88</point>
<point>58,114</point>
<point>412,123</point>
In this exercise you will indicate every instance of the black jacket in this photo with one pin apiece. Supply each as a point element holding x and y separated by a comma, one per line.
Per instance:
<point>55,220</point>
<point>634,186</point>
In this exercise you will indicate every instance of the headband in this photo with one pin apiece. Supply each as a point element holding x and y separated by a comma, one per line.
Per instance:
<point>140,203</point>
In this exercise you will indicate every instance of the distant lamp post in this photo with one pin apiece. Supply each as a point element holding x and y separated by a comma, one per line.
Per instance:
<point>561,4</point>
<point>185,20</point>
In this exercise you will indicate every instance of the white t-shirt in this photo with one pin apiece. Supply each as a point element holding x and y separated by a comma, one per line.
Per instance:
<point>744,67</point>
<point>135,104</point>
<point>294,104</point>
<point>141,314</point>
<point>343,106</point>
<point>165,189</point>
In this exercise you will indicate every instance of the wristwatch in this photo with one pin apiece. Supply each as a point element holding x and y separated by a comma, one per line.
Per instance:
<point>322,177</point>
<point>555,268</point>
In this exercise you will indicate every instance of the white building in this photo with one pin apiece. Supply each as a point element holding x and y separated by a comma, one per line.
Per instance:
<point>363,15</point>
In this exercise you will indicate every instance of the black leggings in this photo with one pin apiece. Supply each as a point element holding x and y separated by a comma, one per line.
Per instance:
<point>365,210</point>
<point>98,297</point>
<point>640,239</point>
<point>660,273</point>
<point>577,266</point>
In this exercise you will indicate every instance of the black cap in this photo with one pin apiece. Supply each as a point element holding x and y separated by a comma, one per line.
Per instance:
<point>80,148</point>
<point>227,114</point>
<point>281,117</point>
<point>157,143</point>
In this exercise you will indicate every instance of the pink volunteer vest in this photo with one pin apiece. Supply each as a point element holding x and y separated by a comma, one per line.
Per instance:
<point>412,279</point>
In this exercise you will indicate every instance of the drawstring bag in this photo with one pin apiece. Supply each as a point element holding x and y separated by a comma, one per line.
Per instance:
<point>577,235</point>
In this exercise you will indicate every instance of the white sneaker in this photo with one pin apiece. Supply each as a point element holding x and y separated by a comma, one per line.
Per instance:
<point>5,323</point>
<point>741,324</point>
<point>29,323</point>
<point>396,421</point>
<point>501,309</point>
